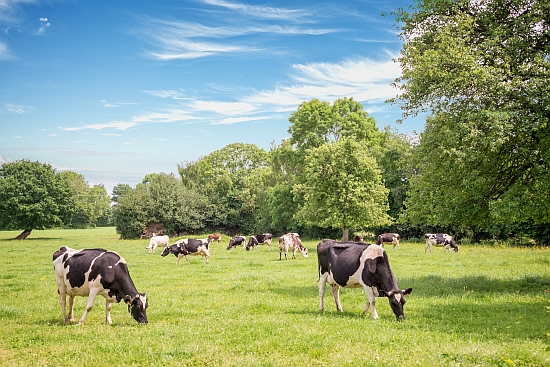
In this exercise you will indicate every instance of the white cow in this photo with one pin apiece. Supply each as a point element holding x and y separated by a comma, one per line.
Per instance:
<point>291,241</point>
<point>157,241</point>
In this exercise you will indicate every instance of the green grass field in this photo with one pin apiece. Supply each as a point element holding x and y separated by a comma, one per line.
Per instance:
<point>486,305</point>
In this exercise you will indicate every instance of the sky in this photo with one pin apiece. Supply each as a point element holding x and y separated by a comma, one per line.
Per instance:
<point>116,90</point>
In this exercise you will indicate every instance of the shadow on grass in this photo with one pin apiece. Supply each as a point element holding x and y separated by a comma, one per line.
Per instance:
<point>13,240</point>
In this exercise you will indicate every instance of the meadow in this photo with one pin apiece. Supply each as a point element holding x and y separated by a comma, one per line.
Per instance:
<point>487,305</point>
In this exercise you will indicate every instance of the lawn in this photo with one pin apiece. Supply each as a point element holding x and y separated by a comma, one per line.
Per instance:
<point>486,305</point>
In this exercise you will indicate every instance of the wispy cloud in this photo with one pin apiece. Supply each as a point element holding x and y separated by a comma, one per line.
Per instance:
<point>44,24</point>
<point>4,53</point>
<point>191,40</point>
<point>19,109</point>
<point>262,12</point>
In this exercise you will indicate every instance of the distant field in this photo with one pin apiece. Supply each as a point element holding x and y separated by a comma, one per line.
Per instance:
<point>484,306</point>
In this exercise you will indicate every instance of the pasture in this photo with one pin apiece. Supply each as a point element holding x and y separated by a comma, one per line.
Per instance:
<point>486,305</point>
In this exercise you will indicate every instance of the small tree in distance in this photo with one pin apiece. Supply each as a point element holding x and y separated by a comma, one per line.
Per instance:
<point>33,196</point>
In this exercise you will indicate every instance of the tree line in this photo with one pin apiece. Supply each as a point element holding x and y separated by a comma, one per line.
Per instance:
<point>479,169</point>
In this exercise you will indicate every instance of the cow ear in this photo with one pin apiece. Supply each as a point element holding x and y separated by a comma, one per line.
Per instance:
<point>407,291</point>
<point>382,293</point>
<point>128,299</point>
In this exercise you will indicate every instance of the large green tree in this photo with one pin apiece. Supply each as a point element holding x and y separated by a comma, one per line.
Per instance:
<point>344,188</point>
<point>33,196</point>
<point>481,69</point>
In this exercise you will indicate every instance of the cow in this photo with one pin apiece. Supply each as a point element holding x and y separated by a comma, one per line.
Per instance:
<point>440,239</point>
<point>156,241</point>
<point>236,241</point>
<point>291,240</point>
<point>93,272</point>
<point>353,265</point>
<point>388,238</point>
<point>259,239</point>
<point>358,239</point>
<point>215,237</point>
<point>189,246</point>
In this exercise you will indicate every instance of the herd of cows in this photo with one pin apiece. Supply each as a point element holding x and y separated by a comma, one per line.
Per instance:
<point>93,272</point>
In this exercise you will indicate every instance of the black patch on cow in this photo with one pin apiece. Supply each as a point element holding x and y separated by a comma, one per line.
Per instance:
<point>79,264</point>
<point>344,253</point>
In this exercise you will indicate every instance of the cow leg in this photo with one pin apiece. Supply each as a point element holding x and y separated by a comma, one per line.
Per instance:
<point>371,301</point>
<point>89,305</point>
<point>186,258</point>
<point>63,303</point>
<point>179,258</point>
<point>269,243</point>
<point>108,313</point>
<point>336,294</point>
<point>322,285</point>
<point>71,308</point>
<point>294,252</point>
<point>206,253</point>
<point>428,245</point>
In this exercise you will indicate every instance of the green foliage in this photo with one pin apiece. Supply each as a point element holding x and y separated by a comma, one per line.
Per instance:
<point>160,198</point>
<point>247,308</point>
<point>343,189</point>
<point>482,70</point>
<point>92,204</point>
<point>33,196</point>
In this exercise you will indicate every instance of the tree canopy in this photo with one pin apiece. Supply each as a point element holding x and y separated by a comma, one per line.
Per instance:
<point>33,196</point>
<point>481,69</point>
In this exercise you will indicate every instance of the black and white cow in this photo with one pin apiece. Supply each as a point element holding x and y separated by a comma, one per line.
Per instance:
<point>288,241</point>
<point>259,239</point>
<point>236,241</point>
<point>96,272</point>
<point>189,246</point>
<point>388,238</point>
<point>353,265</point>
<point>440,239</point>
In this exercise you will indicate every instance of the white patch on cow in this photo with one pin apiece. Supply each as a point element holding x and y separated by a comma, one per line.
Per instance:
<point>372,252</point>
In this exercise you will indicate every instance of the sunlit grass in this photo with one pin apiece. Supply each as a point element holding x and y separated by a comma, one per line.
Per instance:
<point>486,305</point>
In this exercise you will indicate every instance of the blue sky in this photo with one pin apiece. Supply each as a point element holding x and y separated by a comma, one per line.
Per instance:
<point>117,90</point>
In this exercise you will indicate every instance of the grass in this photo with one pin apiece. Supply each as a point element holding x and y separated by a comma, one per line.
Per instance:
<point>485,306</point>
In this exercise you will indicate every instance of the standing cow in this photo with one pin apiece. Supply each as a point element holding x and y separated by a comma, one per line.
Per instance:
<point>440,239</point>
<point>215,237</point>
<point>236,241</point>
<point>291,240</point>
<point>353,265</point>
<point>259,239</point>
<point>388,238</point>
<point>156,241</point>
<point>96,272</point>
<point>189,246</point>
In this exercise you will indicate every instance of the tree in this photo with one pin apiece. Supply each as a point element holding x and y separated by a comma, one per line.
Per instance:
<point>344,188</point>
<point>481,68</point>
<point>91,203</point>
<point>33,196</point>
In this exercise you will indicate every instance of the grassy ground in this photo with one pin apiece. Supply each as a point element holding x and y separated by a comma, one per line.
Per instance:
<point>483,306</point>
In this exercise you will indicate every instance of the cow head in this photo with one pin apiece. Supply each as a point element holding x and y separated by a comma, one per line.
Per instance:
<point>166,251</point>
<point>137,307</point>
<point>397,301</point>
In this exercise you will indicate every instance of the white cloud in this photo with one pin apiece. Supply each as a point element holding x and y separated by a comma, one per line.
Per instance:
<point>234,120</point>
<point>14,108</point>
<point>4,53</point>
<point>263,12</point>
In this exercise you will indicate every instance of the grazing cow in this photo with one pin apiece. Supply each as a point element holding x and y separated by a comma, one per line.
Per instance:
<point>215,237</point>
<point>156,241</point>
<point>439,239</point>
<point>291,240</point>
<point>259,239</point>
<point>388,238</point>
<point>358,239</point>
<point>353,265</point>
<point>236,241</point>
<point>188,246</point>
<point>96,272</point>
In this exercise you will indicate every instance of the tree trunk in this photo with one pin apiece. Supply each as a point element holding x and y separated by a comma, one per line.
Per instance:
<point>345,234</point>
<point>24,234</point>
